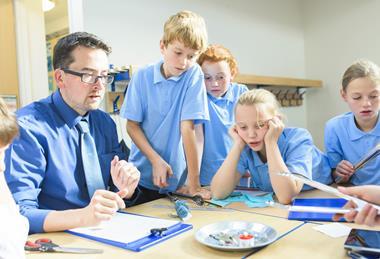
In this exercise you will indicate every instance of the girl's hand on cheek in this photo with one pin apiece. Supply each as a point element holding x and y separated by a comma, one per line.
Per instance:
<point>235,136</point>
<point>275,128</point>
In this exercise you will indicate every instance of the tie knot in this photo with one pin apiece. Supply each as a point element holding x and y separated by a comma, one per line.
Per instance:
<point>83,126</point>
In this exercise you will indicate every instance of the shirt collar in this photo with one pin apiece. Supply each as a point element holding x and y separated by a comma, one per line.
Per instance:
<point>256,159</point>
<point>355,133</point>
<point>68,114</point>
<point>228,96</point>
<point>158,77</point>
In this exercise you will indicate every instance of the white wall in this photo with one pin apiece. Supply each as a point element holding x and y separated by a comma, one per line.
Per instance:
<point>336,33</point>
<point>31,50</point>
<point>266,37</point>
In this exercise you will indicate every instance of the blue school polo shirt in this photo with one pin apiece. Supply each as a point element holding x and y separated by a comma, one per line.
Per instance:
<point>217,142</point>
<point>344,141</point>
<point>159,105</point>
<point>299,154</point>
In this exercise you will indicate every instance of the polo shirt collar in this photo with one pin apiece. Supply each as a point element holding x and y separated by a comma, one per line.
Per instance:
<point>228,96</point>
<point>355,133</point>
<point>158,77</point>
<point>68,114</point>
<point>257,162</point>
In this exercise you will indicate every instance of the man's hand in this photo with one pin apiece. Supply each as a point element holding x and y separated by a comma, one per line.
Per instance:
<point>103,205</point>
<point>125,176</point>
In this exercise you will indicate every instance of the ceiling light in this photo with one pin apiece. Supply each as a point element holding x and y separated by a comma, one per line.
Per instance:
<point>47,5</point>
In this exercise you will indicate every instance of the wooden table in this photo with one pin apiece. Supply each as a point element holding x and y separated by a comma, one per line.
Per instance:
<point>299,239</point>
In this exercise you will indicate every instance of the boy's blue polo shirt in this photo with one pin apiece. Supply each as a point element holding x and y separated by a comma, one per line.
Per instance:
<point>159,105</point>
<point>299,154</point>
<point>217,141</point>
<point>344,141</point>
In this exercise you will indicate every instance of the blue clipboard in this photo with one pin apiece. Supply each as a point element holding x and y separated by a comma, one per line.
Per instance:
<point>318,202</point>
<point>142,243</point>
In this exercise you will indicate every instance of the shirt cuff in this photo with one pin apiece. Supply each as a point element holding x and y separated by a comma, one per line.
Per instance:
<point>36,218</point>
<point>131,201</point>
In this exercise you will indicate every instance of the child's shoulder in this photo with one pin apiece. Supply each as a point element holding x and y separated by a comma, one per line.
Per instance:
<point>239,88</point>
<point>294,131</point>
<point>340,119</point>
<point>146,69</point>
<point>194,70</point>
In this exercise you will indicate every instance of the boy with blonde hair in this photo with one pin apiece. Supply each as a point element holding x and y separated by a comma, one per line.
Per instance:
<point>164,103</point>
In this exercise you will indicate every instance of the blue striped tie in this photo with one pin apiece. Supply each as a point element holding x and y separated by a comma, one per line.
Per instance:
<point>90,159</point>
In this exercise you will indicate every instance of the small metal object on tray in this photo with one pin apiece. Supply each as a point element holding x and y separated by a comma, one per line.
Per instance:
<point>236,235</point>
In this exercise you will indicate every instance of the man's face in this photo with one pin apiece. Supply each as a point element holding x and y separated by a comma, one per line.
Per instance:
<point>79,95</point>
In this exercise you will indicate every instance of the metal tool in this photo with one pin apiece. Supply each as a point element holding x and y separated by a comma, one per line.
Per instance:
<point>197,199</point>
<point>47,245</point>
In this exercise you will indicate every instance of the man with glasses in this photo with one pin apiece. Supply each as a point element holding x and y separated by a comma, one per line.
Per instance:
<point>64,169</point>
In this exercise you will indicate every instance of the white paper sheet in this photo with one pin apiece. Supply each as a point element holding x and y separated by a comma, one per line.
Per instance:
<point>333,230</point>
<point>125,228</point>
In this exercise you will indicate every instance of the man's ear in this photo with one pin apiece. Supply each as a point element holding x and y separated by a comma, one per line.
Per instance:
<point>59,76</point>
<point>343,94</point>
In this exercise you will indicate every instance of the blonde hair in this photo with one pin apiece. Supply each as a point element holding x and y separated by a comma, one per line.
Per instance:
<point>8,125</point>
<point>360,69</point>
<point>188,28</point>
<point>263,100</point>
<point>216,53</point>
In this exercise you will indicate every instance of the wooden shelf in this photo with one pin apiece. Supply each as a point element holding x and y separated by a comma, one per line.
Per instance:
<point>277,81</point>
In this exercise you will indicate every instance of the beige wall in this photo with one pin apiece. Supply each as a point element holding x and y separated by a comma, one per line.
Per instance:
<point>8,65</point>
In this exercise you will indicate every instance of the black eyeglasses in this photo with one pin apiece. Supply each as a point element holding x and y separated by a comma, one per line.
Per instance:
<point>88,78</point>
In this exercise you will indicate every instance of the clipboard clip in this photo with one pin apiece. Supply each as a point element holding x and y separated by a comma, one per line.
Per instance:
<point>158,232</point>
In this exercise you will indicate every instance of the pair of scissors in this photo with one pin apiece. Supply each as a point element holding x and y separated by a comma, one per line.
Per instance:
<point>47,245</point>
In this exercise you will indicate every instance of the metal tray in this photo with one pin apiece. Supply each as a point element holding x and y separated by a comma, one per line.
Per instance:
<point>226,235</point>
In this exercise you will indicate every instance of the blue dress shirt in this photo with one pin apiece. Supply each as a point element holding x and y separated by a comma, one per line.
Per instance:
<point>159,105</point>
<point>44,168</point>
<point>344,141</point>
<point>217,141</point>
<point>299,154</point>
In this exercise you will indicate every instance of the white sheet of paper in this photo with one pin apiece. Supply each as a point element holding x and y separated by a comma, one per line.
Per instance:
<point>333,229</point>
<point>126,228</point>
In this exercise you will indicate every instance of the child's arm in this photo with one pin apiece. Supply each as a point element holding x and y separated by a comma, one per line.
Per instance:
<point>161,169</point>
<point>227,177</point>
<point>285,188</point>
<point>199,138</point>
<point>192,146</point>
<point>342,169</point>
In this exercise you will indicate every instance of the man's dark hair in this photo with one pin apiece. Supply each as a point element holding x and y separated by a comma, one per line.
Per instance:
<point>62,57</point>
